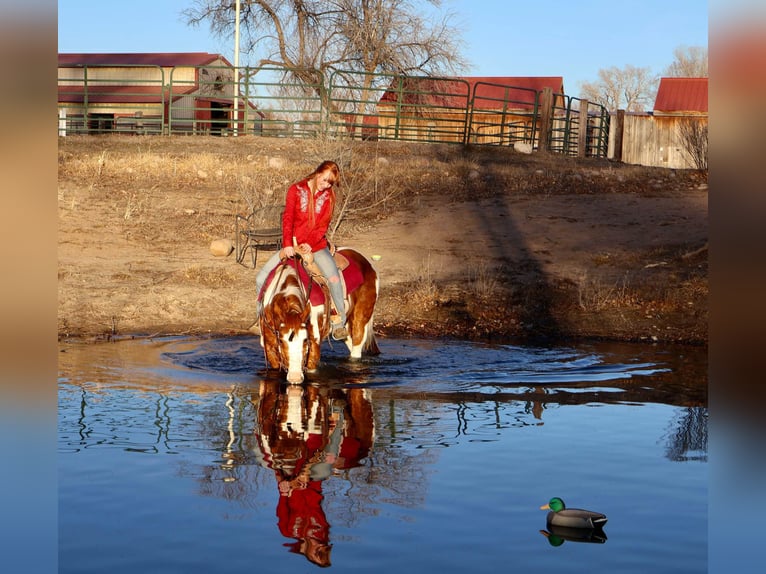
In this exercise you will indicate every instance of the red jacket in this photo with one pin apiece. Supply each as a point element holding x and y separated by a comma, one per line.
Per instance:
<point>300,515</point>
<point>295,219</point>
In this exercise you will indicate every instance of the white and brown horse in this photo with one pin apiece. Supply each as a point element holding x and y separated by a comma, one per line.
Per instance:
<point>295,319</point>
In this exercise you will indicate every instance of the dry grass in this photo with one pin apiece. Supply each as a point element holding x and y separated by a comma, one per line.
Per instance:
<point>484,279</point>
<point>425,290</point>
<point>214,277</point>
<point>377,177</point>
<point>596,295</point>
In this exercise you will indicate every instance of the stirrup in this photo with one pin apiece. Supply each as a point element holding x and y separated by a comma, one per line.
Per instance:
<point>339,332</point>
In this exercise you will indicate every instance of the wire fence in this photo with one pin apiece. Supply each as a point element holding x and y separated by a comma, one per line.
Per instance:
<point>267,101</point>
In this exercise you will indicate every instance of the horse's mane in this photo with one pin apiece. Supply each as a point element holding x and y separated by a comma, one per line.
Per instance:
<point>289,300</point>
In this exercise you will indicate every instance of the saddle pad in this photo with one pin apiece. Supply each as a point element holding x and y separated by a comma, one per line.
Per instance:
<point>352,276</point>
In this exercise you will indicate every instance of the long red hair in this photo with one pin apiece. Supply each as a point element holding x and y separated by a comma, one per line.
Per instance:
<point>333,168</point>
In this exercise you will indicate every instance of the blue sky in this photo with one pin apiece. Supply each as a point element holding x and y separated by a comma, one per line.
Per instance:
<point>573,39</point>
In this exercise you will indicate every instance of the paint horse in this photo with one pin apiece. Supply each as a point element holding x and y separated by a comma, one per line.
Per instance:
<point>295,316</point>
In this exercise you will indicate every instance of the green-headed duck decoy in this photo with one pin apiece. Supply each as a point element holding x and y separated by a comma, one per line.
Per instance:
<point>560,515</point>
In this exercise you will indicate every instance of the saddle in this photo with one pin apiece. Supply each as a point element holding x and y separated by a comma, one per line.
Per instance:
<point>308,271</point>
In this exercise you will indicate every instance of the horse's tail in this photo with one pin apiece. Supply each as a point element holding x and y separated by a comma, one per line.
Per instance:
<point>370,343</point>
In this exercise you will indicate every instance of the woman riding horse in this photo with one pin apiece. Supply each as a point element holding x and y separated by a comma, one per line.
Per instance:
<point>294,319</point>
<point>309,206</point>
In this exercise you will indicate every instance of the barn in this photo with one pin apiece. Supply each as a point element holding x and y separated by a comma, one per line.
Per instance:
<point>189,92</point>
<point>674,134</point>
<point>496,110</point>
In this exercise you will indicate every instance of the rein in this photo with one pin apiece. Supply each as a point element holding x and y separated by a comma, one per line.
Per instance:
<point>315,276</point>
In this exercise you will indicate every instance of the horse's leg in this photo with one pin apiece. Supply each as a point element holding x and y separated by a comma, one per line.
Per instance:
<point>269,340</point>
<point>314,354</point>
<point>362,337</point>
<point>315,321</point>
<point>270,348</point>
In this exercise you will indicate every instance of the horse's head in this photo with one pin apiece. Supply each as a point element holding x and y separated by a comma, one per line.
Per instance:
<point>293,339</point>
<point>287,337</point>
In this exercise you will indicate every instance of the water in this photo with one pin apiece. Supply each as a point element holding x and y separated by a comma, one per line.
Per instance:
<point>435,456</point>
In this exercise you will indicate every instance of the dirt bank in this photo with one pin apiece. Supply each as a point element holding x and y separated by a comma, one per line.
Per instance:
<point>474,243</point>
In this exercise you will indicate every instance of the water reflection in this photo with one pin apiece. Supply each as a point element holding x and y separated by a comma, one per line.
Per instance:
<point>305,435</point>
<point>557,535</point>
<point>403,451</point>
<point>688,435</point>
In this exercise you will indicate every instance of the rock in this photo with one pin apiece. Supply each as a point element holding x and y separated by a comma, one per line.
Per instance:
<point>221,247</point>
<point>523,147</point>
<point>276,162</point>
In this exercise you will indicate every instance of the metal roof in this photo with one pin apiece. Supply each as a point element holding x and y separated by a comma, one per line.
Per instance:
<point>162,59</point>
<point>682,95</point>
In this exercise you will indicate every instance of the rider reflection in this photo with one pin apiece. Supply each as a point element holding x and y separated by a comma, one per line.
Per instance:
<point>307,434</point>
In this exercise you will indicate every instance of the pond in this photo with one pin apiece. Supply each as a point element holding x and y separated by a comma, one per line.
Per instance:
<point>186,455</point>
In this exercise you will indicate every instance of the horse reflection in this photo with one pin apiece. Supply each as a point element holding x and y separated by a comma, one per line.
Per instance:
<point>305,435</point>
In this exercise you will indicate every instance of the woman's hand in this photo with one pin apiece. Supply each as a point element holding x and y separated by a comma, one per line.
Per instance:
<point>304,248</point>
<point>288,250</point>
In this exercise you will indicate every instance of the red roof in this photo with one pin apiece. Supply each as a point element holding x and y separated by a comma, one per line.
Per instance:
<point>489,91</point>
<point>117,94</point>
<point>512,89</point>
<point>162,59</point>
<point>682,95</point>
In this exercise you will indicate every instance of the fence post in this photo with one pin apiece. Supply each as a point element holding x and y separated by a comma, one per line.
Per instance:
<point>619,127</point>
<point>582,132</point>
<point>546,116</point>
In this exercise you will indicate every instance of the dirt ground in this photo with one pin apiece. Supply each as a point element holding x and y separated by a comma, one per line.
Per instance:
<point>556,249</point>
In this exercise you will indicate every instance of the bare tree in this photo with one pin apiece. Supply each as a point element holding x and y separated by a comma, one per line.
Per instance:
<point>690,62</point>
<point>312,38</point>
<point>694,141</point>
<point>629,88</point>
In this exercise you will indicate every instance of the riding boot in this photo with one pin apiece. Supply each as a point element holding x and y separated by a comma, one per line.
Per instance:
<point>339,332</point>
<point>338,320</point>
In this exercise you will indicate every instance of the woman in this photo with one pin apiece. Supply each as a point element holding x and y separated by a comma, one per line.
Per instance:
<point>309,207</point>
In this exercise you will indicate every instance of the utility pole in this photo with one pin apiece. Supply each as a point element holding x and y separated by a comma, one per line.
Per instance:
<point>236,68</point>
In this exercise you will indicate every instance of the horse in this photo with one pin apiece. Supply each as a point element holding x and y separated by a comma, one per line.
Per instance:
<point>294,317</point>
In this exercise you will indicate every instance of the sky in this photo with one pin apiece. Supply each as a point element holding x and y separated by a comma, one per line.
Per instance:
<point>572,39</point>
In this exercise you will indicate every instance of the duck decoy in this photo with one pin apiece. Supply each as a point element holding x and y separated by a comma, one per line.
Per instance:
<point>560,515</point>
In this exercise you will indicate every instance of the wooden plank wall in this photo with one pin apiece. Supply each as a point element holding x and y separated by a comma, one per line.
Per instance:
<point>650,140</point>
